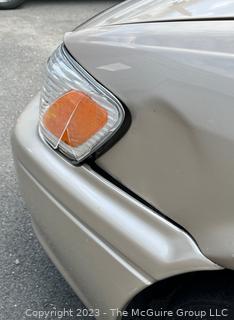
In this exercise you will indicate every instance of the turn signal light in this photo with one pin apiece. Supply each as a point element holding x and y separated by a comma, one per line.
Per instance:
<point>78,116</point>
<point>74,118</point>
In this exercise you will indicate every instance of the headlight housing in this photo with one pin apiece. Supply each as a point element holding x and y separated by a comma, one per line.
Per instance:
<point>77,115</point>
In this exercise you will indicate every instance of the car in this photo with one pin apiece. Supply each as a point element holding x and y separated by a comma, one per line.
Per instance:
<point>10,4</point>
<point>126,160</point>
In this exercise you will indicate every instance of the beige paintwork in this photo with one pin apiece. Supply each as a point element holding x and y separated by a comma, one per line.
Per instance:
<point>107,245</point>
<point>141,11</point>
<point>177,80</point>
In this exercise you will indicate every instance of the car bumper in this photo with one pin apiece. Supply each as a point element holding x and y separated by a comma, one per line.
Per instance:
<point>107,245</point>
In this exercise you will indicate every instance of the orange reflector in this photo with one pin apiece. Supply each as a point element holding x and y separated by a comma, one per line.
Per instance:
<point>74,118</point>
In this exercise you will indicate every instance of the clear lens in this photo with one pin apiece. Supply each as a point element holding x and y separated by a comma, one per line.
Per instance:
<point>64,75</point>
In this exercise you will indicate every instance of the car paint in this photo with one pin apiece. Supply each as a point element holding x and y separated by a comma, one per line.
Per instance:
<point>108,245</point>
<point>176,78</point>
<point>141,11</point>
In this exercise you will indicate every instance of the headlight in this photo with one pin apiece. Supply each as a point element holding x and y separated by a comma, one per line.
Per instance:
<point>77,115</point>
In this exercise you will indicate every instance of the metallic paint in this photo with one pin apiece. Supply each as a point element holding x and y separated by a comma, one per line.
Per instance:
<point>179,89</point>
<point>138,11</point>
<point>107,245</point>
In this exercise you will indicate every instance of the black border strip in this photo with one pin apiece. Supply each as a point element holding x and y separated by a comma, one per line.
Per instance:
<point>95,167</point>
<point>113,140</point>
<point>127,120</point>
<point>176,20</point>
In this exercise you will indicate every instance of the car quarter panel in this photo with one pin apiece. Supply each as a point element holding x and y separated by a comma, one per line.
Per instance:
<point>177,80</point>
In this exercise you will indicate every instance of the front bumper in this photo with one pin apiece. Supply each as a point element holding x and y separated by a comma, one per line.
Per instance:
<point>107,245</point>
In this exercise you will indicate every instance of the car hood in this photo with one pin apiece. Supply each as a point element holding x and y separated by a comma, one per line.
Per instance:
<point>137,11</point>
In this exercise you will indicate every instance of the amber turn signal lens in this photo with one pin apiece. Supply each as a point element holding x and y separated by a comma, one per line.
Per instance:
<point>74,118</point>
